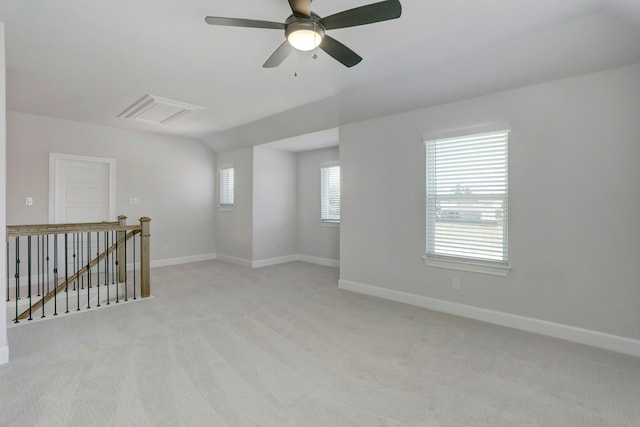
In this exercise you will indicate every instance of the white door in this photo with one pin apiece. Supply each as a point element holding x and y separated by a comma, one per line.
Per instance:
<point>81,189</point>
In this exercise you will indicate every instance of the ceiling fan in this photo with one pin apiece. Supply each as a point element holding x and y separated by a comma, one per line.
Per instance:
<point>305,31</point>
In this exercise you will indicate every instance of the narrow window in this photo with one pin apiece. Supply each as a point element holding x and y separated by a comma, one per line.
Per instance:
<point>330,193</point>
<point>227,188</point>
<point>467,199</point>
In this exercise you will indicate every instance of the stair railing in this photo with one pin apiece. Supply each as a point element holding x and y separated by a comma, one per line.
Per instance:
<point>66,266</point>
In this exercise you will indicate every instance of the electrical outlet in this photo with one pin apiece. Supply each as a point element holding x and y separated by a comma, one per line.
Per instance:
<point>29,201</point>
<point>456,284</point>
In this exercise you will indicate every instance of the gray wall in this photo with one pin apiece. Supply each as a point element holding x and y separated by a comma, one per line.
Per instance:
<point>274,203</point>
<point>234,228</point>
<point>173,177</point>
<point>277,207</point>
<point>314,239</point>
<point>4,349</point>
<point>574,202</point>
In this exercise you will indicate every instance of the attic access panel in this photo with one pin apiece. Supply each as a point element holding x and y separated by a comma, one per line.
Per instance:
<point>157,110</point>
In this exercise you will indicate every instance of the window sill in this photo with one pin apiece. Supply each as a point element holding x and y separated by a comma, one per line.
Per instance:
<point>471,266</point>
<point>226,207</point>
<point>331,224</point>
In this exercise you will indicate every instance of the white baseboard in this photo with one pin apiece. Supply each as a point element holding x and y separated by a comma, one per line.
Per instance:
<point>289,258</point>
<point>4,355</point>
<point>273,261</point>
<point>182,260</point>
<point>570,333</point>
<point>278,260</point>
<point>320,261</point>
<point>234,260</point>
<point>37,319</point>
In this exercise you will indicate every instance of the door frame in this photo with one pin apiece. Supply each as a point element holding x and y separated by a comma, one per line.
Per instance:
<point>111,163</point>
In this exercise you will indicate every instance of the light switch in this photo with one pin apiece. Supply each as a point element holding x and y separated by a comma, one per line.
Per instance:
<point>29,201</point>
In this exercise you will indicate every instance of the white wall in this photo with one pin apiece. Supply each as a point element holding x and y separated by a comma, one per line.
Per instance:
<point>173,177</point>
<point>314,239</point>
<point>4,346</point>
<point>234,228</point>
<point>574,203</point>
<point>274,204</point>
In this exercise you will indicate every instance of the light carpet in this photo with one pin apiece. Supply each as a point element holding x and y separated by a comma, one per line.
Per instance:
<point>224,345</point>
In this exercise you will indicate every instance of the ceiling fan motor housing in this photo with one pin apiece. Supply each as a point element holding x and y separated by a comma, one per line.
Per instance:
<point>297,23</point>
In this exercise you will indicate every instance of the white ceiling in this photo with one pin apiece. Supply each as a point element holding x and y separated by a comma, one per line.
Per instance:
<point>88,61</point>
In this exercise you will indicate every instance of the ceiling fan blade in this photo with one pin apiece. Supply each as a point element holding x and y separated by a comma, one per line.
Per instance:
<point>239,22</point>
<point>340,52</point>
<point>301,7</point>
<point>375,12</point>
<point>279,55</point>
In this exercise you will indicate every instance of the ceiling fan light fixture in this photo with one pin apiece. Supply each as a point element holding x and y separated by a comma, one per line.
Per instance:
<point>304,35</point>
<point>304,40</point>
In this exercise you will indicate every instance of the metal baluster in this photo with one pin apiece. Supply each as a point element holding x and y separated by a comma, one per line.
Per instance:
<point>55,274</point>
<point>38,263</point>
<point>43,278</point>
<point>88,269</point>
<point>106,267</point>
<point>77,236</point>
<point>73,239</point>
<point>48,279</point>
<point>126,282</point>
<point>113,258</point>
<point>116,270</point>
<point>29,272</point>
<point>66,270</point>
<point>81,253</point>
<point>17,276</point>
<point>134,267</point>
<point>98,265</point>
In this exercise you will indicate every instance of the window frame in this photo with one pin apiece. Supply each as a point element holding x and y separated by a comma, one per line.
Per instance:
<point>459,262</point>
<point>329,222</point>
<point>221,187</point>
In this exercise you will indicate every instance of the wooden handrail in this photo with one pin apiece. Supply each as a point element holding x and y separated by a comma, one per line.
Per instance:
<point>40,229</point>
<point>63,285</point>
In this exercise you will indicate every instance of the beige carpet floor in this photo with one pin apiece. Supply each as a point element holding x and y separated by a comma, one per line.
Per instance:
<point>223,345</point>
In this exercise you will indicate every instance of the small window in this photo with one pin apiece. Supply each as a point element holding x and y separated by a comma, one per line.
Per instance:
<point>227,187</point>
<point>330,193</point>
<point>467,198</point>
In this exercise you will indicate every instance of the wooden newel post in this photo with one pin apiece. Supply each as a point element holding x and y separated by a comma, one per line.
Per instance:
<point>122,260</point>
<point>145,274</point>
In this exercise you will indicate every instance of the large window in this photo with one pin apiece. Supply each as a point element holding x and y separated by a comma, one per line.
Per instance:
<point>227,187</point>
<point>467,198</point>
<point>330,193</point>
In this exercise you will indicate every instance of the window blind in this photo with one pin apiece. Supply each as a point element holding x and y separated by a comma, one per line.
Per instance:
<point>227,187</point>
<point>467,198</point>
<point>330,193</point>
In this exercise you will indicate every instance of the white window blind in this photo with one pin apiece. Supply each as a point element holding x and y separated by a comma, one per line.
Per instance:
<point>227,187</point>
<point>467,198</point>
<point>330,193</point>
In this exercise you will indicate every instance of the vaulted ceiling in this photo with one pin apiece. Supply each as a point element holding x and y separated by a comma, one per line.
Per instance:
<point>89,61</point>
